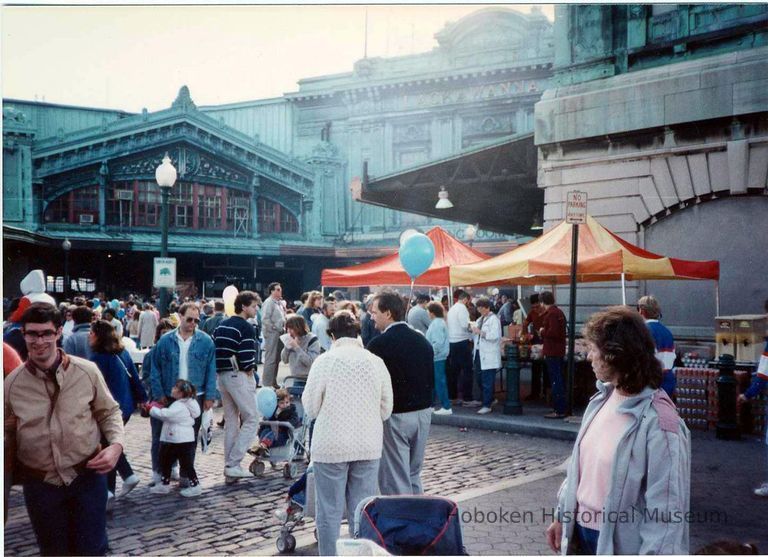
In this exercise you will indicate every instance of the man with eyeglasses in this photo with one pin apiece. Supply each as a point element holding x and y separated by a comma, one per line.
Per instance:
<point>236,366</point>
<point>57,408</point>
<point>183,353</point>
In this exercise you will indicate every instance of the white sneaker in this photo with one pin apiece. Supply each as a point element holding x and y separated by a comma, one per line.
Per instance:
<point>156,479</point>
<point>175,474</point>
<point>192,491</point>
<point>128,484</point>
<point>484,410</point>
<point>236,472</point>
<point>762,491</point>
<point>160,489</point>
<point>281,515</point>
<point>443,412</point>
<point>110,501</point>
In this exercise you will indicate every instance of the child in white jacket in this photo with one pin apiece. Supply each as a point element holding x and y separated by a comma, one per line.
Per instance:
<point>177,438</point>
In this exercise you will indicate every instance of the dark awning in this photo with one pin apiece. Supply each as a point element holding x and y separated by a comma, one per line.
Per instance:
<point>493,185</point>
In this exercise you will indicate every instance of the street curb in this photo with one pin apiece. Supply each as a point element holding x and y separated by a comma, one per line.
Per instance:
<point>525,425</point>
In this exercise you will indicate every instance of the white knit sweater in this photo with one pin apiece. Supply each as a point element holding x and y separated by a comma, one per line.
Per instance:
<point>350,393</point>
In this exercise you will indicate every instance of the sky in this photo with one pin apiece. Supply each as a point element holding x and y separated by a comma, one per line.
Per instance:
<point>134,57</point>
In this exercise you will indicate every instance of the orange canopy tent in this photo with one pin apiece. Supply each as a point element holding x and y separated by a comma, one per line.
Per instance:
<point>603,256</point>
<point>388,271</point>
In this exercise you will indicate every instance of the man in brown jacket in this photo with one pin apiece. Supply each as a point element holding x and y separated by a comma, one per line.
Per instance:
<point>553,336</point>
<point>57,407</point>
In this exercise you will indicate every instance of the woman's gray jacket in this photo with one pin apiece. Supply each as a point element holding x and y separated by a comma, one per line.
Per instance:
<point>647,509</point>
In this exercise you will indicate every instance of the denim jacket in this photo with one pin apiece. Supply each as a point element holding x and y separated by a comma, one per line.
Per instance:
<point>201,364</point>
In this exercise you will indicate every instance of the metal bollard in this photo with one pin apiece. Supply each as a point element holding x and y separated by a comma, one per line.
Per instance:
<point>512,405</point>
<point>727,424</point>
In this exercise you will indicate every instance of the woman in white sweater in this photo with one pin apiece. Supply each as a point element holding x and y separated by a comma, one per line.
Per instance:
<point>349,392</point>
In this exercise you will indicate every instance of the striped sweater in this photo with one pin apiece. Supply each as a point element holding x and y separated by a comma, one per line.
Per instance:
<point>235,337</point>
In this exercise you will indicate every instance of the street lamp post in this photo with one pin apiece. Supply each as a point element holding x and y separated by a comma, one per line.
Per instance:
<point>166,178</point>
<point>66,245</point>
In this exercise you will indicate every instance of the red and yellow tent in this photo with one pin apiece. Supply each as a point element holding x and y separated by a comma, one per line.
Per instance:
<point>387,271</point>
<point>603,256</point>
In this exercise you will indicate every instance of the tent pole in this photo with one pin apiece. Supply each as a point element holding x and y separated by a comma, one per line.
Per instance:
<point>623,291</point>
<point>717,297</point>
<point>322,291</point>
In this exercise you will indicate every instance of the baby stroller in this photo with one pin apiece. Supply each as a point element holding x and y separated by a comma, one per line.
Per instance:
<point>302,506</point>
<point>286,454</point>
<point>411,525</point>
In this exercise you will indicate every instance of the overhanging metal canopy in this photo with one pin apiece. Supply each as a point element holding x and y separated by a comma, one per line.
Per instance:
<point>493,185</point>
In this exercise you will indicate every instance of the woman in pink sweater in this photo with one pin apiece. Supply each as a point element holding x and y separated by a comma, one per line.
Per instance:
<point>628,485</point>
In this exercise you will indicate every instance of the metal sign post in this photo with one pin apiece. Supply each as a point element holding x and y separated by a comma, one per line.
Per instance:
<point>575,214</point>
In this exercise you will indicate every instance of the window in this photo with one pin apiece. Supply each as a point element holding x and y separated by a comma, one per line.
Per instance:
<point>182,205</point>
<point>238,211</point>
<point>209,207</point>
<point>149,199</point>
<point>274,218</point>
<point>67,208</point>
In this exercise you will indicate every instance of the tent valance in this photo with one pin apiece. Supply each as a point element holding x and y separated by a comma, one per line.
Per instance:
<point>388,271</point>
<point>603,256</point>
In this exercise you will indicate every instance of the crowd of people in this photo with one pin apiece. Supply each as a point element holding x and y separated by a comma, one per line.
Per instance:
<point>376,370</point>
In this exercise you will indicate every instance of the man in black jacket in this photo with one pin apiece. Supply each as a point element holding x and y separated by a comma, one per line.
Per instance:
<point>408,356</point>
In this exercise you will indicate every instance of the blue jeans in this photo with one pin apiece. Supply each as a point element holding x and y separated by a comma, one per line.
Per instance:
<point>441,386</point>
<point>460,372</point>
<point>487,379</point>
<point>586,539</point>
<point>69,520</point>
<point>555,369</point>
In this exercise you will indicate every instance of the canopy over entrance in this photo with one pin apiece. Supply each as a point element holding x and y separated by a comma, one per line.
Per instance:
<point>603,256</point>
<point>492,185</point>
<point>388,270</point>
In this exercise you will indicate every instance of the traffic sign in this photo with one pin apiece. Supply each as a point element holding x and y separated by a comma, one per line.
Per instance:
<point>576,208</point>
<point>164,275</point>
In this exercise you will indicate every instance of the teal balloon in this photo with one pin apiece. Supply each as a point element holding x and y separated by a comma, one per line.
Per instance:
<point>417,254</point>
<point>120,313</point>
<point>114,304</point>
<point>266,401</point>
<point>96,302</point>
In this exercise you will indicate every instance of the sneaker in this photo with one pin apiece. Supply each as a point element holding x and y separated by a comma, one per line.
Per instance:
<point>762,491</point>
<point>471,403</point>
<point>484,410</point>
<point>443,412</point>
<point>192,491</point>
<point>160,489</point>
<point>281,515</point>
<point>236,472</point>
<point>128,484</point>
<point>156,479</point>
<point>110,501</point>
<point>175,474</point>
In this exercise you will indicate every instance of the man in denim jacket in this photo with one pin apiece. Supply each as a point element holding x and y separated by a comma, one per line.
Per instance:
<point>184,353</point>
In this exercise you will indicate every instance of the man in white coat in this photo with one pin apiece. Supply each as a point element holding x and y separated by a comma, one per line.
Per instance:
<point>487,351</point>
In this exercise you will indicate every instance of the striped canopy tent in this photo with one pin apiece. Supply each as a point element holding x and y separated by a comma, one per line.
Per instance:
<point>388,271</point>
<point>603,256</point>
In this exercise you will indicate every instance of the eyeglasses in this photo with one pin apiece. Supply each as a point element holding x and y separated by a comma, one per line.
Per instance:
<point>42,335</point>
<point>192,320</point>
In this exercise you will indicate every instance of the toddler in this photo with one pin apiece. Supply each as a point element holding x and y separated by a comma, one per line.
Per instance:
<point>177,438</point>
<point>285,412</point>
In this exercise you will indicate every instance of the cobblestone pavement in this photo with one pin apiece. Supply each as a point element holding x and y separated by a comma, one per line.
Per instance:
<point>238,519</point>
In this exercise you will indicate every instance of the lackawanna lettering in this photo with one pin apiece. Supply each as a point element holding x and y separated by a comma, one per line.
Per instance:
<point>635,516</point>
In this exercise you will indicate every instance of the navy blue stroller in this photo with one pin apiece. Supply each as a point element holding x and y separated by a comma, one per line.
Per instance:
<point>411,524</point>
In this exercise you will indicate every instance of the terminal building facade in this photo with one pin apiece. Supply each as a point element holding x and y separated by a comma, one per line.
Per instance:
<point>263,191</point>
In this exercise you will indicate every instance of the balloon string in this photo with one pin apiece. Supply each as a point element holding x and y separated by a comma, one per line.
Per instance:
<point>410,301</point>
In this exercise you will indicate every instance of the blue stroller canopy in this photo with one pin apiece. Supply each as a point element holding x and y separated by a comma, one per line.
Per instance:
<point>411,525</point>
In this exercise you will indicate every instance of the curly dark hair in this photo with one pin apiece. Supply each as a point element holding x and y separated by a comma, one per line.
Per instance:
<point>105,339</point>
<point>627,347</point>
<point>343,325</point>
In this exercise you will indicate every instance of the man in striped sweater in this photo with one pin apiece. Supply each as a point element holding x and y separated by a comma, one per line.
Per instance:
<point>236,368</point>
<point>649,308</point>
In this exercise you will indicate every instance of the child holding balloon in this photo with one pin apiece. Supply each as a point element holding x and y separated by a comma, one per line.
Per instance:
<point>285,411</point>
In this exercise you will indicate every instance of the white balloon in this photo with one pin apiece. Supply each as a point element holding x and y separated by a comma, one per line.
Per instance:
<point>230,293</point>
<point>495,291</point>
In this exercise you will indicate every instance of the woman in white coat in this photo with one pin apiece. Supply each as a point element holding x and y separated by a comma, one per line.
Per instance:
<point>487,352</point>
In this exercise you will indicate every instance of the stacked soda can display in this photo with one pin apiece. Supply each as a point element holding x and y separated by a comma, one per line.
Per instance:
<point>695,400</point>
